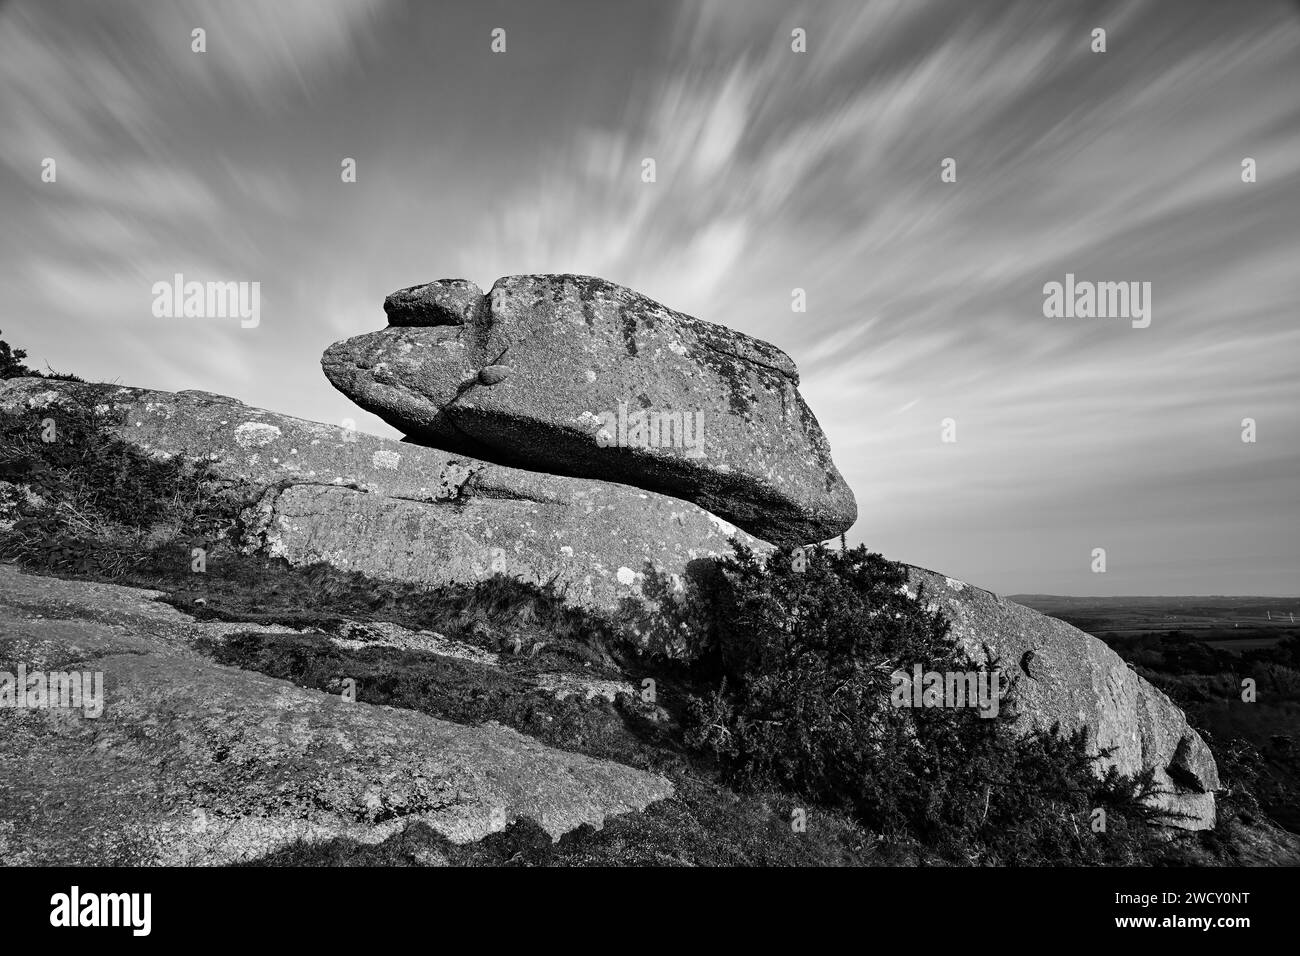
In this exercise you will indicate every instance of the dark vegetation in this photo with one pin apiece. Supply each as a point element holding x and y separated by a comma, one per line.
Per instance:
<point>771,685</point>
<point>11,366</point>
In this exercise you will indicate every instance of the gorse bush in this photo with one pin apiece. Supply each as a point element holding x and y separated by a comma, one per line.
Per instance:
<point>847,612</point>
<point>804,703</point>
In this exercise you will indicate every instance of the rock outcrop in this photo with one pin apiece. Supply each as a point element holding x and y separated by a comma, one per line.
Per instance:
<point>1070,678</point>
<point>573,375</point>
<point>396,510</point>
<point>192,762</point>
<point>402,511</point>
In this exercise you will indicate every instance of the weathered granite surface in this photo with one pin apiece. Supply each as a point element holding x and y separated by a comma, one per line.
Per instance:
<point>577,376</point>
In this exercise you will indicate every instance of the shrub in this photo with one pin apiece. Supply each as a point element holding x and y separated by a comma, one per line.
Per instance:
<point>11,366</point>
<point>804,704</point>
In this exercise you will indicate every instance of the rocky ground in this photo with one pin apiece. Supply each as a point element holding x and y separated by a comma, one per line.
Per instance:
<point>196,761</point>
<point>193,761</point>
<point>365,504</point>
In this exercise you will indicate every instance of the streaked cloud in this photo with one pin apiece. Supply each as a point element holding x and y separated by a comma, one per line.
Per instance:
<point>775,170</point>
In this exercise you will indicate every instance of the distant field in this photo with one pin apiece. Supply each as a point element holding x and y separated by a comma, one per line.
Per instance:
<point>1244,644</point>
<point>1234,624</point>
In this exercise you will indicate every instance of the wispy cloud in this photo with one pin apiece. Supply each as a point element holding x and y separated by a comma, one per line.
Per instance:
<point>775,170</point>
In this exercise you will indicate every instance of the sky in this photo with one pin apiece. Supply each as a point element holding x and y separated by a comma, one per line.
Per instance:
<point>775,170</point>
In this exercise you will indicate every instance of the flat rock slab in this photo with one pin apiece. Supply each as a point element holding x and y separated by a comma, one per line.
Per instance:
<point>591,549</point>
<point>573,375</point>
<point>401,511</point>
<point>1069,677</point>
<point>194,762</point>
